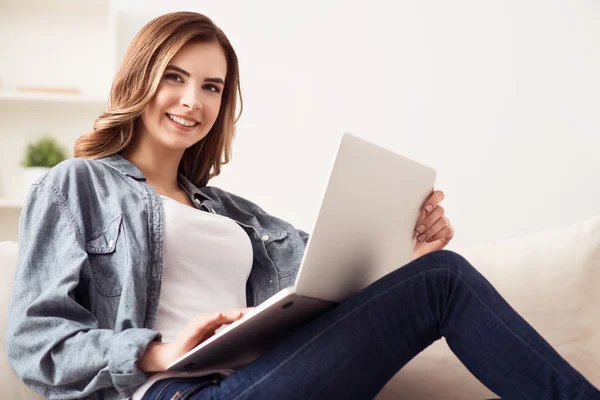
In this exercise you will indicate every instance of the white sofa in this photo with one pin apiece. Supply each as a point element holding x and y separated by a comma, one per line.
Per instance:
<point>11,386</point>
<point>551,277</point>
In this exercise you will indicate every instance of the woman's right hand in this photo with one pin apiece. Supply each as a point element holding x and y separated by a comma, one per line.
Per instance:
<point>159,355</point>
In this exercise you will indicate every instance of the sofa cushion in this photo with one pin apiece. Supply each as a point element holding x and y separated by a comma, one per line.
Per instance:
<point>552,278</point>
<point>12,387</point>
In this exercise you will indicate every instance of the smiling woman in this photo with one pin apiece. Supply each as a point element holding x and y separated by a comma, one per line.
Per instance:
<point>116,279</point>
<point>189,61</point>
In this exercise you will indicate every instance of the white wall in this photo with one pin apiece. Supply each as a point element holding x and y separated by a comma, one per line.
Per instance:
<point>500,97</point>
<point>55,43</point>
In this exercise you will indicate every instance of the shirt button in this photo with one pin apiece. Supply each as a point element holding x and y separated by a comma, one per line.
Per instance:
<point>197,201</point>
<point>265,238</point>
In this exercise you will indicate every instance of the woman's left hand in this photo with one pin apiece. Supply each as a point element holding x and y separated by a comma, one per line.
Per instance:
<point>433,230</point>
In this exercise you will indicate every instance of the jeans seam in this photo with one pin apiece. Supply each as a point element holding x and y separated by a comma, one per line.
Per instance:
<point>181,395</point>
<point>162,390</point>
<point>167,385</point>
<point>330,326</point>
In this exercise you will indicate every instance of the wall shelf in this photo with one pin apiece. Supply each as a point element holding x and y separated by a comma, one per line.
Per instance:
<point>53,45</point>
<point>11,203</point>
<point>32,97</point>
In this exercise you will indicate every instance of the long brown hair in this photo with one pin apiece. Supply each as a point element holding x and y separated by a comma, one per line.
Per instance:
<point>136,83</point>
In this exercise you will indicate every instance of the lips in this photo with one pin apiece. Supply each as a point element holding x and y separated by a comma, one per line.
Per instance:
<point>182,121</point>
<point>182,128</point>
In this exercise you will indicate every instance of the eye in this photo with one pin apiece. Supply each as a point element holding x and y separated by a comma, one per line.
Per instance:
<point>171,76</point>
<point>213,88</point>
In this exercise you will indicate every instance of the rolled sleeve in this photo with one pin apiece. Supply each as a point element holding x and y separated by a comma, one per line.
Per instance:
<point>126,349</point>
<point>53,342</point>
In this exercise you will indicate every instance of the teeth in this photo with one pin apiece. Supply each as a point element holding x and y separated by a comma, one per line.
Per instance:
<point>181,121</point>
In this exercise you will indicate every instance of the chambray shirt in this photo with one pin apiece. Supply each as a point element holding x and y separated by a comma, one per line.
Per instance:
<point>88,278</point>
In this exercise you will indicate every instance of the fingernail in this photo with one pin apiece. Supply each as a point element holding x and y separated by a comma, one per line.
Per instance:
<point>421,228</point>
<point>429,208</point>
<point>421,238</point>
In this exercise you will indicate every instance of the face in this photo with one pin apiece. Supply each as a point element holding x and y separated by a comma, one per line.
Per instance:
<point>187,102</point>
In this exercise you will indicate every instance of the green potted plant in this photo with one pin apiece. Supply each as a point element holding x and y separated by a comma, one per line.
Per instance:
<point>40,156</point>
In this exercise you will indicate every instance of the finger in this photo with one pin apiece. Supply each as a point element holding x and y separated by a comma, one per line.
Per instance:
<point>198,329</point>
<point>437,226</point>
<point>427,200</point>
<point>208,322</point>
<point>432,201</point>
<point>429,220</point>
<point>202,325</point>
<point>234,311</point>
<point>445,235</point>
<point>229,317</point>
<point>422,212</point>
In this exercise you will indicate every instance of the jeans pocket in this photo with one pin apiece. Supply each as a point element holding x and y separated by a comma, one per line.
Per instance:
<point>107,254</point>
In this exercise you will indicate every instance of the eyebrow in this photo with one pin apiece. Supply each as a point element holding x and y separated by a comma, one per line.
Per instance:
<point>184,72</point>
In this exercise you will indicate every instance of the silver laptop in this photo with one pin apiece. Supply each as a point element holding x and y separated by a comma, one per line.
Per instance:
<point>364,230</point>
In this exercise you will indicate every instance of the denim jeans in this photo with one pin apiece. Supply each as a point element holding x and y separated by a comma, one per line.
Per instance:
<point>352,350</point>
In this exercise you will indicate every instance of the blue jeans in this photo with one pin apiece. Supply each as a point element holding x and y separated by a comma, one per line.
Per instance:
<point>352,350</point>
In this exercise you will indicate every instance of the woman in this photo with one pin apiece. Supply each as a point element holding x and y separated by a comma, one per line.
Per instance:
<point>131,220</point>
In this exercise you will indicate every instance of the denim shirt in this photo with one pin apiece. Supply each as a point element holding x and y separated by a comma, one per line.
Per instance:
<point>86,291</point>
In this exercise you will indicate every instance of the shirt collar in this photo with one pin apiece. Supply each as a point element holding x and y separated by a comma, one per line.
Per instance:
<point>124,166</point>
<point>192,190</point>
<point>127,168</point>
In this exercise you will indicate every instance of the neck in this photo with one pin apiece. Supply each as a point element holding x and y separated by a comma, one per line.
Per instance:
<point>158,166</point>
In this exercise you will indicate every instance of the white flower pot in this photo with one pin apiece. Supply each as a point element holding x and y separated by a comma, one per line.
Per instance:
<point>32,175</point>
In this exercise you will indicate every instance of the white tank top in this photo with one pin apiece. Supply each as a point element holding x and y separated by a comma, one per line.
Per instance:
<point>207,261</point>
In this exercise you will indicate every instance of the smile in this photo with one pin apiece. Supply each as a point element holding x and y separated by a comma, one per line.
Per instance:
<point>181,121</point>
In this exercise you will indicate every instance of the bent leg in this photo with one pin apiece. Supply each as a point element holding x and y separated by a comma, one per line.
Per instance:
<point>354,349</point>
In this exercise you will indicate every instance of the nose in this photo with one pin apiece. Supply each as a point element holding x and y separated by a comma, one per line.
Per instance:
<point>191,99</point>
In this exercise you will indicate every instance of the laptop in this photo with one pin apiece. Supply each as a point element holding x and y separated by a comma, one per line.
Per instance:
<point>363,231</point>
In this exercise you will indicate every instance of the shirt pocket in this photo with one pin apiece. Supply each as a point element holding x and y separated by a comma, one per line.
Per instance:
<point>107,254</point>
<point>282,250</point>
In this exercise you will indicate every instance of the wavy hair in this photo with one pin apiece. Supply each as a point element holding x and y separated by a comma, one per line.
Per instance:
<point>136,83</point>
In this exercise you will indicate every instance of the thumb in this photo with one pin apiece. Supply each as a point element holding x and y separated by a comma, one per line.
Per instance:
<point>437,245</point>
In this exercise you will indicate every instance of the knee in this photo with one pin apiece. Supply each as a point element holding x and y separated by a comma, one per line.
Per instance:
<point>447,259</point>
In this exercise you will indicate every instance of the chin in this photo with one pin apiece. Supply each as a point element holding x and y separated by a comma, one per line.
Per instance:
<point>179,143</point>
